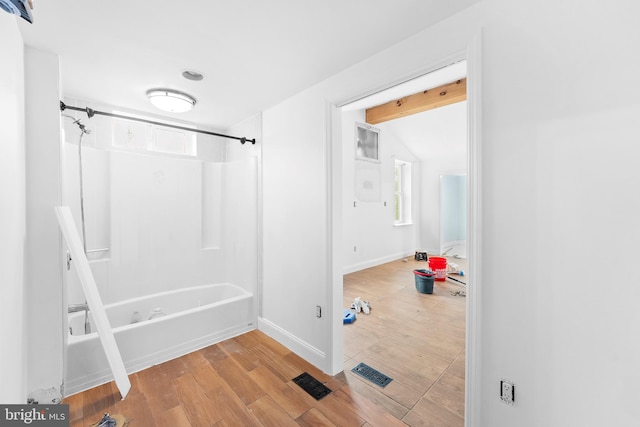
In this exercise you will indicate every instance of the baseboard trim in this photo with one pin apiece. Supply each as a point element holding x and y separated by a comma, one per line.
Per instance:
<point>299,346</point>
<point>455,247</point>
<point>376,261</point>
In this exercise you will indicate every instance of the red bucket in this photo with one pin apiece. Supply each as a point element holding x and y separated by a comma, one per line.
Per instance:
<point>439,266</point>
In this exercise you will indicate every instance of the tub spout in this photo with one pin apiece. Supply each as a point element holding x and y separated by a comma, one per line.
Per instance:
<point>74,308</point>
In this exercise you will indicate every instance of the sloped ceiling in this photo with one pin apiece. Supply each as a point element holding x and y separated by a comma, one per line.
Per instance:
<point>433,134</point>
<point>429,135</point>
<point>253,53</point>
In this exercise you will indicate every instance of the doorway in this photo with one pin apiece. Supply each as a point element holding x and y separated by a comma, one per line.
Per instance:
<point>393,207</point>
<point>471,340</point>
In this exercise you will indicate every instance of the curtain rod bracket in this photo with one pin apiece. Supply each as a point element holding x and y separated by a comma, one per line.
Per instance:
<point>90,112</point>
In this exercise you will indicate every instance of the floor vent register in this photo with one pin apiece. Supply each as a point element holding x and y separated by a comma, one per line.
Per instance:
<point>312,386</point>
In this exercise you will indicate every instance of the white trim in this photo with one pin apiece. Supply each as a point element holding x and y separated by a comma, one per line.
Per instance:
<point>376,261</point>
<point>449,246</point>
<point>334,239</point>
<point>419,74</point>
<point>303,349</point>
<point>473,386</point>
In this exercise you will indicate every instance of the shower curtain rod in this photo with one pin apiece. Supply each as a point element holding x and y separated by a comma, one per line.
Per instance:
<point>91,112</point>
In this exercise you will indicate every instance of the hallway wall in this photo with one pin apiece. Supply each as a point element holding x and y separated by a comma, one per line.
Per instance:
<point>295,215</point>
<point>559,153</point>
<point>12,215</point>
<point>44,192</point>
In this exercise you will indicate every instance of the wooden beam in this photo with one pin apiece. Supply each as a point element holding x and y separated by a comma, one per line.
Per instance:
<point>440,96</point>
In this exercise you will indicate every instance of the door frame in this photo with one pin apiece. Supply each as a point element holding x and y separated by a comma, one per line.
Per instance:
<point>473,56</point>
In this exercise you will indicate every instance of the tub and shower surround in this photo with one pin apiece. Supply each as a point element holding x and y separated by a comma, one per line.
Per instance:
<point>160,227</point>
<point>157,223</point>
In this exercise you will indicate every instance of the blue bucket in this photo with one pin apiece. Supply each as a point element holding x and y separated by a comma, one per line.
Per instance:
<point>424,281</point>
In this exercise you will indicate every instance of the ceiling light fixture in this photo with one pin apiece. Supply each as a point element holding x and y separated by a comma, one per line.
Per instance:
<point>171,100</point>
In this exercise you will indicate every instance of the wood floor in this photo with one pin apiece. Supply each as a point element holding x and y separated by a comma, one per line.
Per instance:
<point>416,339</point>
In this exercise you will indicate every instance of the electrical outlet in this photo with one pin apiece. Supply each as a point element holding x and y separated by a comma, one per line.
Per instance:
<point>507,392</point>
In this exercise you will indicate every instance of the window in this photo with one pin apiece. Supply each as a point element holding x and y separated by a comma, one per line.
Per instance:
<point>137,136</point>
<point>166,140</point>
<point>402,193</point>
<point>367,143</point>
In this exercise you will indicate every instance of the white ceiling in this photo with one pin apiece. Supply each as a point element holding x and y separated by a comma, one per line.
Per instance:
<point>253,53</point>
<point>433,134</point>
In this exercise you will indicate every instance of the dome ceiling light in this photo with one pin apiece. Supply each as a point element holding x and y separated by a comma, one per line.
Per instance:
<point>171,100</point>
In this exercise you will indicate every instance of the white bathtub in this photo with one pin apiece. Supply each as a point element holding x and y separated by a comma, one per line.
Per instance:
<point>193,318</point>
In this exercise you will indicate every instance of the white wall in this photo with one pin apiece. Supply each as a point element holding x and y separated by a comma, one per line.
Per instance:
<point>295,253</point>
<point>555,170</point>
<point>369,235</point>
<point>250,128</point>
<point>43,186</point>
<point>559,160</point>
<point>12,215</point>
<point>447,125</point>
<point>438,138</point>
